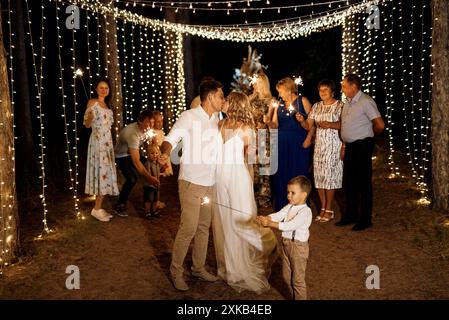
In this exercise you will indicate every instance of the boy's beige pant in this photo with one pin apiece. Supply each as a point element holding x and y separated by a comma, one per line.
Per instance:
<point>195,224</point>
<point>294,255</point>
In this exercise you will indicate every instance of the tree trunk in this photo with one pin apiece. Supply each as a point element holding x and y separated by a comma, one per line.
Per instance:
<point>440,106</point>
<point>110,58</point>
<point>25,158</point>
<point>9,219</point>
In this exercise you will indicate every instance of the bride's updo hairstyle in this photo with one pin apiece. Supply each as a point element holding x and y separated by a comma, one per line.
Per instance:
<point>240,109</point>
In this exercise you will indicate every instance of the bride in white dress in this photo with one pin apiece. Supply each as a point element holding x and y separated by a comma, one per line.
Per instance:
<point>244,249</point>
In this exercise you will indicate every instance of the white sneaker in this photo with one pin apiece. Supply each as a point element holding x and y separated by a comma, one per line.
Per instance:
<point>99,215</point>
<point>106,214</point>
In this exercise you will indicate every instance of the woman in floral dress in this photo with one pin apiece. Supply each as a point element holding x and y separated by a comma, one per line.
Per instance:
<point>327,163</point>
<point>101,176</point>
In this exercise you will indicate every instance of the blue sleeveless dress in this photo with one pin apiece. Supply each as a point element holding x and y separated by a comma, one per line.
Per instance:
<point>293,159</point>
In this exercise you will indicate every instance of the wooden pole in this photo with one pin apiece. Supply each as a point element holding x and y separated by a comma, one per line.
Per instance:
<point>440,104</point>
<point>9,218</point>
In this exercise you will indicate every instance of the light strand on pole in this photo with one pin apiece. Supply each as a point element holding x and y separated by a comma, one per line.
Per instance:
<point>39,88</point>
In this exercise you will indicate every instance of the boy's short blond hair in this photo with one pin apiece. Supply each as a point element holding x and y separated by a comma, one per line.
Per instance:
<point>303,183</point>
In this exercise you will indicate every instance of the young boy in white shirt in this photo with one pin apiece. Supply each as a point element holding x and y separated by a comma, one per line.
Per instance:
<point>294,221</point>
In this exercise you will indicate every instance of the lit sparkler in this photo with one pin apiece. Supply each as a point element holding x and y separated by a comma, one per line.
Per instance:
<point>253,79</point>
<point>298,81</point>
<point>206,200</point>
<point>149,134</point>
<point>79,73</point>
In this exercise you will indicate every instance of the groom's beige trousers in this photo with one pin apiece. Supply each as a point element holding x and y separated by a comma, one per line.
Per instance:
<point>195,224</point>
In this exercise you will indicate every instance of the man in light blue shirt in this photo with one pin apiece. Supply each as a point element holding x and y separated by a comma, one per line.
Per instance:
<point>360,121</point>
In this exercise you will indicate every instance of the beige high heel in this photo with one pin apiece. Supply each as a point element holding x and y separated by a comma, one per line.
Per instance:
<point>327,219</point>
<point>319,217</point>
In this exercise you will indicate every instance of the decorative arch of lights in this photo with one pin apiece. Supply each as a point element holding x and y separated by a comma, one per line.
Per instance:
<point>151,62</point>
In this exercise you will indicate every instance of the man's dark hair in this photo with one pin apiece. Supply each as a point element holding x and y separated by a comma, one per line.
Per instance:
<point>207,87</point>
<point>144,114</point>
<point>327,83</point>
<point>354,79</point>
<point>303,183</point>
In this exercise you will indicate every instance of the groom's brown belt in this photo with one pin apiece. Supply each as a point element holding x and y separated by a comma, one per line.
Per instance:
<point>290,240</point>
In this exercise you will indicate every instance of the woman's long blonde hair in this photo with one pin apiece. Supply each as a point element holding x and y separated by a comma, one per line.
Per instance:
<point>263,91</point>
<point>240,109</point>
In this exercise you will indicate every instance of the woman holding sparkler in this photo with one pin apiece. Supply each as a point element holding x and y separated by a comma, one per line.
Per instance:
<point>261,100</point>
<point>101,177</point>
<point>293,139</point>
<point>244,249</point>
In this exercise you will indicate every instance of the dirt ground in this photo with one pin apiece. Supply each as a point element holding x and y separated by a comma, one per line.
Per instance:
<point>128,258</point>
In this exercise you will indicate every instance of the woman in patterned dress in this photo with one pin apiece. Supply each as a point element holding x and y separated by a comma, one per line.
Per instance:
<point>101,176</point>
<point>327,164</point>
<point>261,100</point>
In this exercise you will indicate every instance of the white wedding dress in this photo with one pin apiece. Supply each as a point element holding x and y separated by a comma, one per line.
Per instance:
<point>244,249</point>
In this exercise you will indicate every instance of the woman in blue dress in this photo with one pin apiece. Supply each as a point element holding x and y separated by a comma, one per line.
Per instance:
<point>293,140</point>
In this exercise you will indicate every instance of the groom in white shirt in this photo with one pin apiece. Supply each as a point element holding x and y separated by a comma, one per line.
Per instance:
<point>198,130</point>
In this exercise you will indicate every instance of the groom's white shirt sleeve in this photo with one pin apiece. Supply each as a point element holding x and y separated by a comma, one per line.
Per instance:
<point>179,130</point>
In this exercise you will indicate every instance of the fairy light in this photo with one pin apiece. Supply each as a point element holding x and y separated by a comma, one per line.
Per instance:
<point>133,99</point>
<point>117,83</point>
<point>78,72</point>
<point>409,138</point>
<point>152,66</point>
<point>160,66</point>
<point>147,66</point>
<point>39,88</point>
<point>427,144</point>
<point>143,91</point>
<point>7,197</point>
<point>98,45</point>
<point>269,31</point>
<point>388,87</point>
<point>126,106</point>
<point>227,5</point>
<point>88,54</point>
<point>74,126</point>
<point>181,92</point>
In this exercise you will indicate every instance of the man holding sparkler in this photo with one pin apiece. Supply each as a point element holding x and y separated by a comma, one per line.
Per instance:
<point>127,157</point>
<point>198,130</point>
